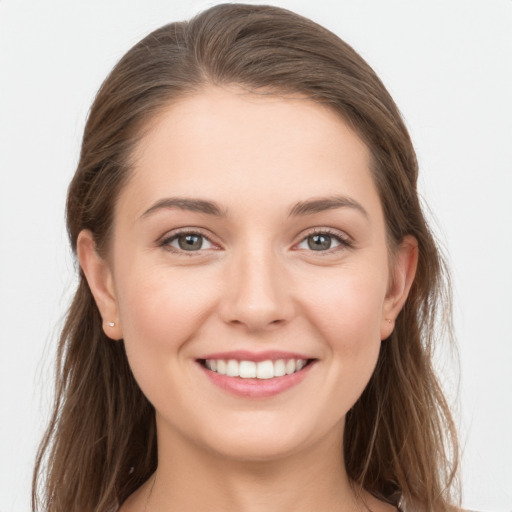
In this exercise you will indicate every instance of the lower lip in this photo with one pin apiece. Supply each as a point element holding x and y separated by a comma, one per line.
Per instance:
<point>257,388</point>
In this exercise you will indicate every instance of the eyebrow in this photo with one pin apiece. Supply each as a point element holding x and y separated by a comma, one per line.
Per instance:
<point>300,209</point>
<point>183,203</point>
<point>312,206</point>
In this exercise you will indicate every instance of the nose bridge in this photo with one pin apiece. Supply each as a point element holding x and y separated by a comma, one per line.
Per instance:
<point>256,293</point>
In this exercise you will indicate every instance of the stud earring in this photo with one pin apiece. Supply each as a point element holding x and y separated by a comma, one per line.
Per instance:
<point>111,324</point>
<point>388,320</point>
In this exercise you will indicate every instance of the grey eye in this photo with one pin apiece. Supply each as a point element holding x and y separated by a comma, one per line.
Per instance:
<point>319,242</point>
<point>190,242</point>
<point>322,242</point>
<point>187,241</point>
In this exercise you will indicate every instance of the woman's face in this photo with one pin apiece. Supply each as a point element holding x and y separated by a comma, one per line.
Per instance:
<point>250,241</point>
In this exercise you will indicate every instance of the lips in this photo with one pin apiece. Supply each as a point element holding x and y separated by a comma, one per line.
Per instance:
<point>255,374</point>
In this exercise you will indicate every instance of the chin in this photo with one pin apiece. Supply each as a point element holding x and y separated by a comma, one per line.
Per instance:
<point>267,442</point>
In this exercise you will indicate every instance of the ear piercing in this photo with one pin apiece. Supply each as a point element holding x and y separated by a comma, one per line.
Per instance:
<point>388,320</point>
<point>111,324</point>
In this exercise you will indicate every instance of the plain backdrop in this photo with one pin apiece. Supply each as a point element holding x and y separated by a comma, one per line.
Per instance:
<point>448,64</point>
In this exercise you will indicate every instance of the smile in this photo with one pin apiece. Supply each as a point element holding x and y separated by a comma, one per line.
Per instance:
<point>267,369</point>
<point>255,375</point>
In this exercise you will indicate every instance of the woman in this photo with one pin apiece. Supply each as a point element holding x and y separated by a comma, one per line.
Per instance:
<point>258,287</point>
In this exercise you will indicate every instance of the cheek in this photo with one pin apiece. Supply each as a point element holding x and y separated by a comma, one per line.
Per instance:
<point>345,312</point>
<point>347,308</point>
<point>160,311</point>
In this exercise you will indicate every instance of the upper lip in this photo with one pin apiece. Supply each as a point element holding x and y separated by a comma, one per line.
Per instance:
<point>245,355</point>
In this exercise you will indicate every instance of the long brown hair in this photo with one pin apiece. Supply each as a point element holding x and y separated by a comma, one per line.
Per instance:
<point>100,445</point>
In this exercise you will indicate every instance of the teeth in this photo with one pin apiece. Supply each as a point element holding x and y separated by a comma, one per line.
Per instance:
<point>221,367</point>
<point>290,366</point>
<point>265,370</point>
<point>249,369</point>
<point>232,368</point>
<point>279,368</point>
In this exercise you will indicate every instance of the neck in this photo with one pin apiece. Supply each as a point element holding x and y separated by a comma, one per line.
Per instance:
<point>191,478</point>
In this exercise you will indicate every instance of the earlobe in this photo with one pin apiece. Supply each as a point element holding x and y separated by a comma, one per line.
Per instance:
<point>404,271</point>
<point>100,280</point>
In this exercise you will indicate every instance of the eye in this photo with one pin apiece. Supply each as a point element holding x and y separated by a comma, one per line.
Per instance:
<point>323,241</point>
<point>187,241</point>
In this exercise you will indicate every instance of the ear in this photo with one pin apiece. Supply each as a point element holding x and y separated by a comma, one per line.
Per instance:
<point>100,280</point>
<point>402,277</point>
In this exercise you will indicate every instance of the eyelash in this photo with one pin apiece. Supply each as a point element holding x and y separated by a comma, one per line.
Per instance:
<point>165,243</point>
<point>344,241</point>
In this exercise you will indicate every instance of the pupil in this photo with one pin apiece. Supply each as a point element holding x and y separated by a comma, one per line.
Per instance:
<point>190,242</point>
<point>319,242</point>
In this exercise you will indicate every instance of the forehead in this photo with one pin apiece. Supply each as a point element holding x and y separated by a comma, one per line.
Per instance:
<point>229,144</point>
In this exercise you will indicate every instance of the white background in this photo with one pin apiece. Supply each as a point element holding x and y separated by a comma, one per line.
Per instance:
<point>448,64</point>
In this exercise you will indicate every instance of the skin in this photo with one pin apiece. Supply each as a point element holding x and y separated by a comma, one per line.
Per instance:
<point>255,284</point>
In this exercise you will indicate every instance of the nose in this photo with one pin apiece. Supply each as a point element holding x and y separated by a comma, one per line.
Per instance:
<point>257,295</point>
